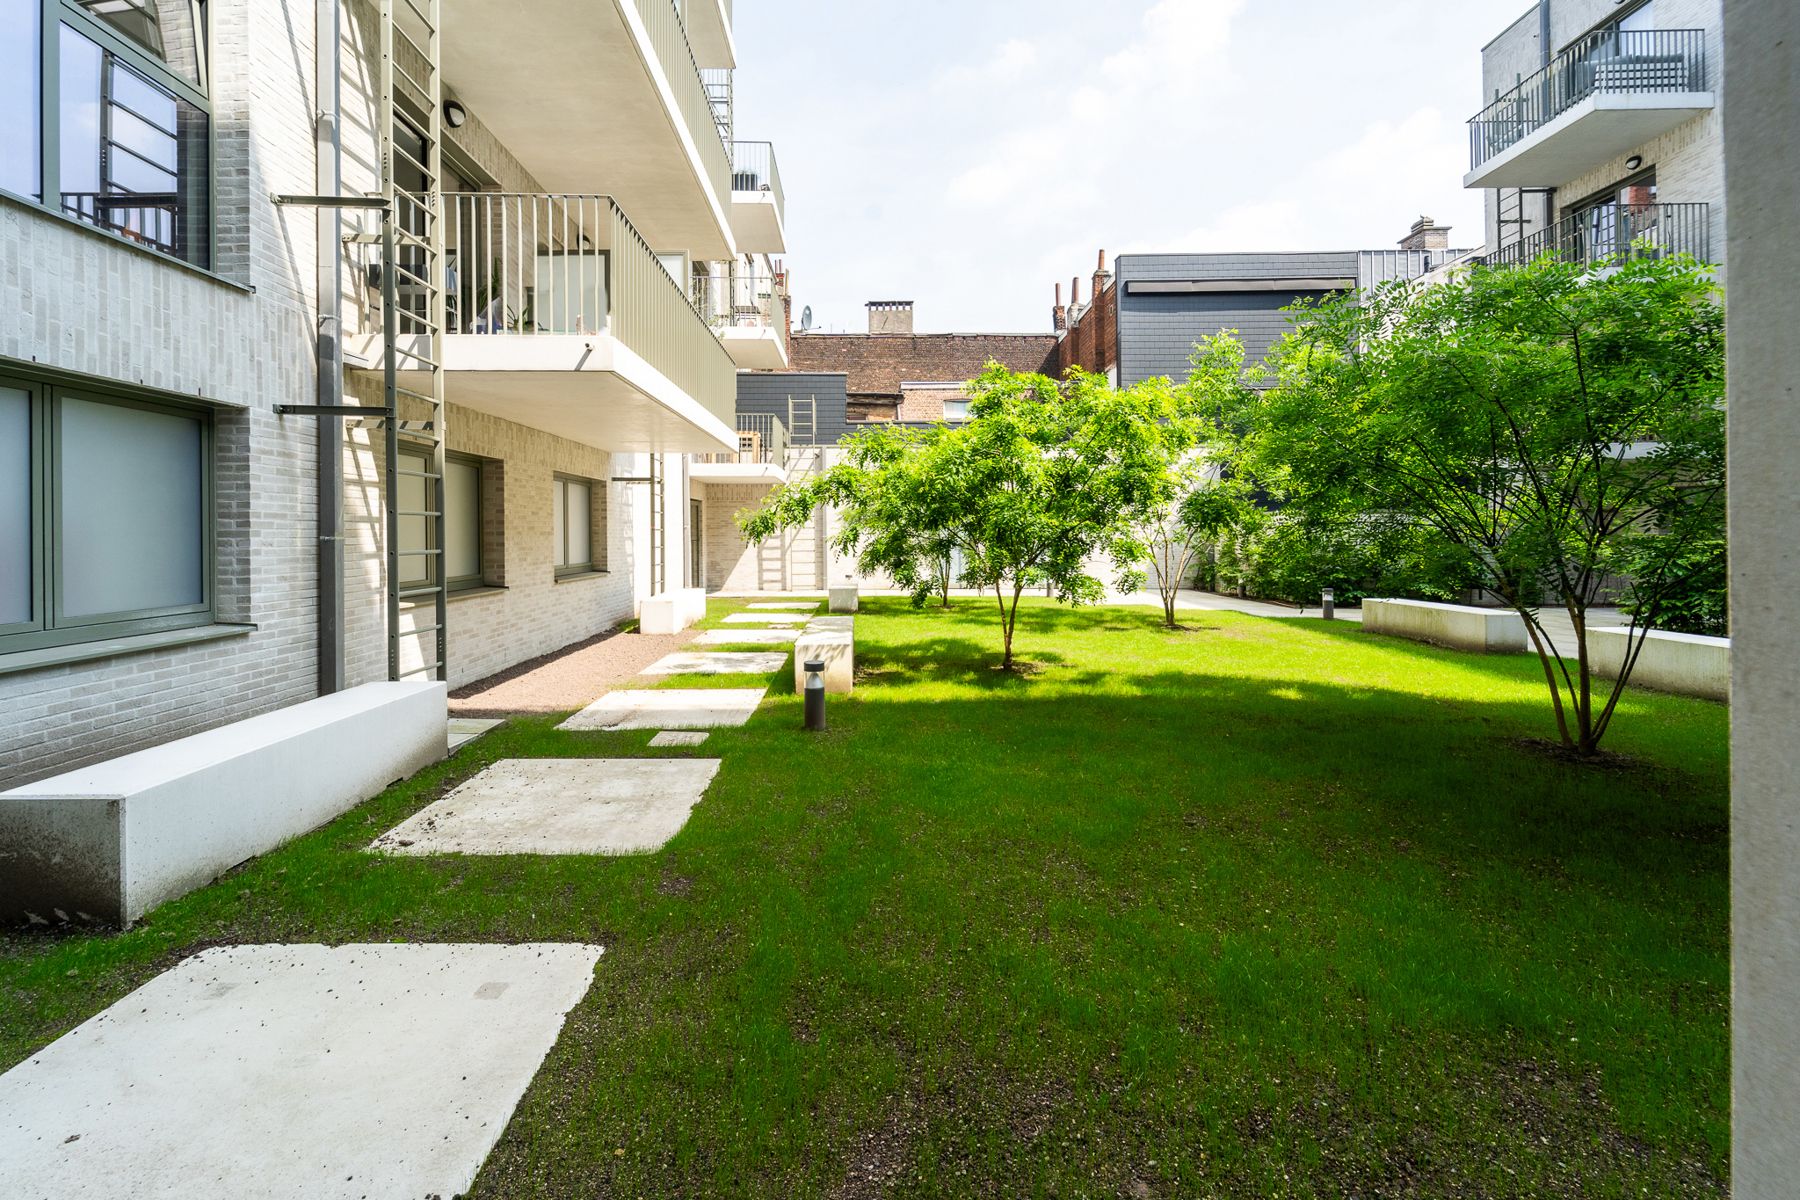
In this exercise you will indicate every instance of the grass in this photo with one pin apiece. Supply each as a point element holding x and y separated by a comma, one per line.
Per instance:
<point>1258,908</point>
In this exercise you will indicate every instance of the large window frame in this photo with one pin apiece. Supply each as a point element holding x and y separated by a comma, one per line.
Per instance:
<point>52,16</point>
<point>48,625</point>
<point>465,583</point>
<point>559,534</point>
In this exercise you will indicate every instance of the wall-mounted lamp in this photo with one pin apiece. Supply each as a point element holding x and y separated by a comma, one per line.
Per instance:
<point>455,115</point>
<point>1634,162</point>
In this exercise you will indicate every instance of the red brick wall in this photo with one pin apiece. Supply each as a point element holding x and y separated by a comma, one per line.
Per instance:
<point>1092,343</point>
<point>877,364</point>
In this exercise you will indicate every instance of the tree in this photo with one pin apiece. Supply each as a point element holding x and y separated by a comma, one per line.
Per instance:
<point>1044,477</point>
<point>1560,428</point>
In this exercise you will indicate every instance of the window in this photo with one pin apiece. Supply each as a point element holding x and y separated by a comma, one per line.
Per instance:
<point>125,141</point>
<point>417,549</point>
<point>462,522</point>
<point>956,410</point>
<point>105,516</point>
<point>572,522</point>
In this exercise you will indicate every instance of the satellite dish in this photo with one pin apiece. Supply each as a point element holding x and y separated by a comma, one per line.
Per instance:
<point>806,318</point>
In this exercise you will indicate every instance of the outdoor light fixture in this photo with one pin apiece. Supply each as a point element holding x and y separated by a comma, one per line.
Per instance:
<point>1328,602</point>
<point>1634,162</point>
<point>455,115</point>
<point>815,695</point>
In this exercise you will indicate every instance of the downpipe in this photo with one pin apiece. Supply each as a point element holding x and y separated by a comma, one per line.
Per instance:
<point>329,472</point>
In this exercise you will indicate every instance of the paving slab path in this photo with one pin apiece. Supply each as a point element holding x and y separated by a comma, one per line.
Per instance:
<point>605,806</point>
<point>747,637</point>
<point>567,679</point>
<point>252,1072</point>
<point>766,618</point>
<point>668,708</point>
<point>718,663</point>
<point>788,605</point>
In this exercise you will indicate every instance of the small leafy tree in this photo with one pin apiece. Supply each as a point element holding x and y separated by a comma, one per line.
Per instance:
<point>1044,477</point>
<point>1559,427</point>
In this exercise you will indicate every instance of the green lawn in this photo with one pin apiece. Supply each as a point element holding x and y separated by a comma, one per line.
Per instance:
<point>1255,908</point>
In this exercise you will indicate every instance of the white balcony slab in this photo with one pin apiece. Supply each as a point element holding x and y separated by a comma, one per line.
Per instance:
<point>748,473</point>
<point>765,618</point>
<point>1604,126</point>
<point>757,222</point>
<point>673,739</point>
<point>755,347</point>
<point>717,662</point>
<point>559,806</point>
<point>114,840</point>
<point>668,708</point>
<point>747,637</point>
<point>1688,664</point>
<point>265,1072</point>
<point>1459,626</point>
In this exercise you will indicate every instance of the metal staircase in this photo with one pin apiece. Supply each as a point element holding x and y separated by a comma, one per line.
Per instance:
<point>413,317</point>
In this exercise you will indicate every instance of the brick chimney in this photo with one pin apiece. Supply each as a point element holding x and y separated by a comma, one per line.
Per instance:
<point>1102,277</point>
<point>1059,316</point>
<point>890,316</point>
<point>1426,234</point>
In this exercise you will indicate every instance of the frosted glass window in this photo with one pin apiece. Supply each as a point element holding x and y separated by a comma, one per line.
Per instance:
<point>15,505</point>
<point>21,75</point>
<point>462,520</point>
<point>573,510</point>
<point>132,501</point>
<point>413,495</point>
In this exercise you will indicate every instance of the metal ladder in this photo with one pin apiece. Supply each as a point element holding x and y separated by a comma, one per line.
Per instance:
<point>659,567</point>
<point>413,336</point>
<point>803,421</point>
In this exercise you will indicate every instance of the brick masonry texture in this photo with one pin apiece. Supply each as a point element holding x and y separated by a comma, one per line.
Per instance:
<point>877,364</point>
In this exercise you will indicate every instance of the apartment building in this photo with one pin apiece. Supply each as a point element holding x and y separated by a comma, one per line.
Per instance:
<point>1143,319</point>
<point>1603,131</point>
<point>354,339</point>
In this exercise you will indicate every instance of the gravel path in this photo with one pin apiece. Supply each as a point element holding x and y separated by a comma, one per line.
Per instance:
<point>567,679</point>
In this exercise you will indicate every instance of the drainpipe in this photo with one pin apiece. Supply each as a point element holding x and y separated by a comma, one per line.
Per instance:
<point>328,152</point>
<point>1545,54</point>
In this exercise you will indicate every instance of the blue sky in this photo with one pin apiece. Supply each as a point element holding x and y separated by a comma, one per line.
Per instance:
<point>967,156</point>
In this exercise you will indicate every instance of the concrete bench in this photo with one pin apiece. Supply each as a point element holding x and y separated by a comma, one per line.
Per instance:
<point>672,611</point>
<point>844,599</point>
<point>114,840</point>
<point>1687,664</point>
<point>832,641</point>
<point>1459,626</point>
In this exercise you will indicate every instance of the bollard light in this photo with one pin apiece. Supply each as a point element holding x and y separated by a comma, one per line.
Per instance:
<point>815,695</point>
<point>1328,602</point>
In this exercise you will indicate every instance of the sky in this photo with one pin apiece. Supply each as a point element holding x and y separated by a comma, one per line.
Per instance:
<point>969,155</point>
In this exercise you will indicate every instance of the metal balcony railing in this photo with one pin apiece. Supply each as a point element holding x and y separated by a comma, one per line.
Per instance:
<point>1616,231</point>
<point>528,264</point>
<point>668,34</point>
<point>762,440</point>
<point>753,169</point>
<point>744,299</point>
<point>1609,60</point>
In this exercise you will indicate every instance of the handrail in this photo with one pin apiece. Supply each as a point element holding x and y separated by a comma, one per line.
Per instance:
<point>1608,60</point>
<point>754,169</point>
<point>668,35</point>
<point>537,263</point>
<point>1618,231</point>
<point>744,299</point>
<point>762,440</point>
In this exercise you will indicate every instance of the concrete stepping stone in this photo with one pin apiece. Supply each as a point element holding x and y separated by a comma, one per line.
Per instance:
<point>277,1071</point>
<point>559,806</point>
<point>717,663</point>
<point>671,738</point>
<point>747,637</point>
<point>464,730</point>
<point>801,605</point>
<point>668,708</point>
<point>745,618</point>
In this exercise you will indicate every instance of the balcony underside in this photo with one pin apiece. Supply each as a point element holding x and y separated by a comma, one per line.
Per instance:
<point>574,90</point>
<point>1596,130</point>
<point>754,347</point>
<point>756,223</point>
<point>737,473</point>
<point>709,26</point>
<point>588,388</point>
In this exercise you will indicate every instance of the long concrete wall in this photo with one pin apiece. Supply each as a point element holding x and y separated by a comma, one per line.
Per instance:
<point>1762,47</point>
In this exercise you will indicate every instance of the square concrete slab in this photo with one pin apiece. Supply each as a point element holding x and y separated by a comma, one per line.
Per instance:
<point>278,1071</point>
<point>559,806</point>
<point>718,663</point>
<point>670,738</point>
<point>747,637</point>
<point>464,730</point>
<point>800,605</point>
<point>766,618</point>
<point>668,708</point>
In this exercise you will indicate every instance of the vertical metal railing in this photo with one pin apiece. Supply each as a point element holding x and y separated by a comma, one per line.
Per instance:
<point>744,298</point>
<point>539,264</point>
<point>1616,231</point>
<point>1609,60</point>
<point>668,36</point>
<point>754,169</point>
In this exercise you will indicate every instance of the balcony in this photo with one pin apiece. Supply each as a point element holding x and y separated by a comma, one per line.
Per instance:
<point>758,205</point>
<point>761,454</point>
<point>709,28</point>
<point>600,96</point>
<point>559,316</point>
<point>1616,231</point>
<point>748,311</point>
<point>1600,99</point>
